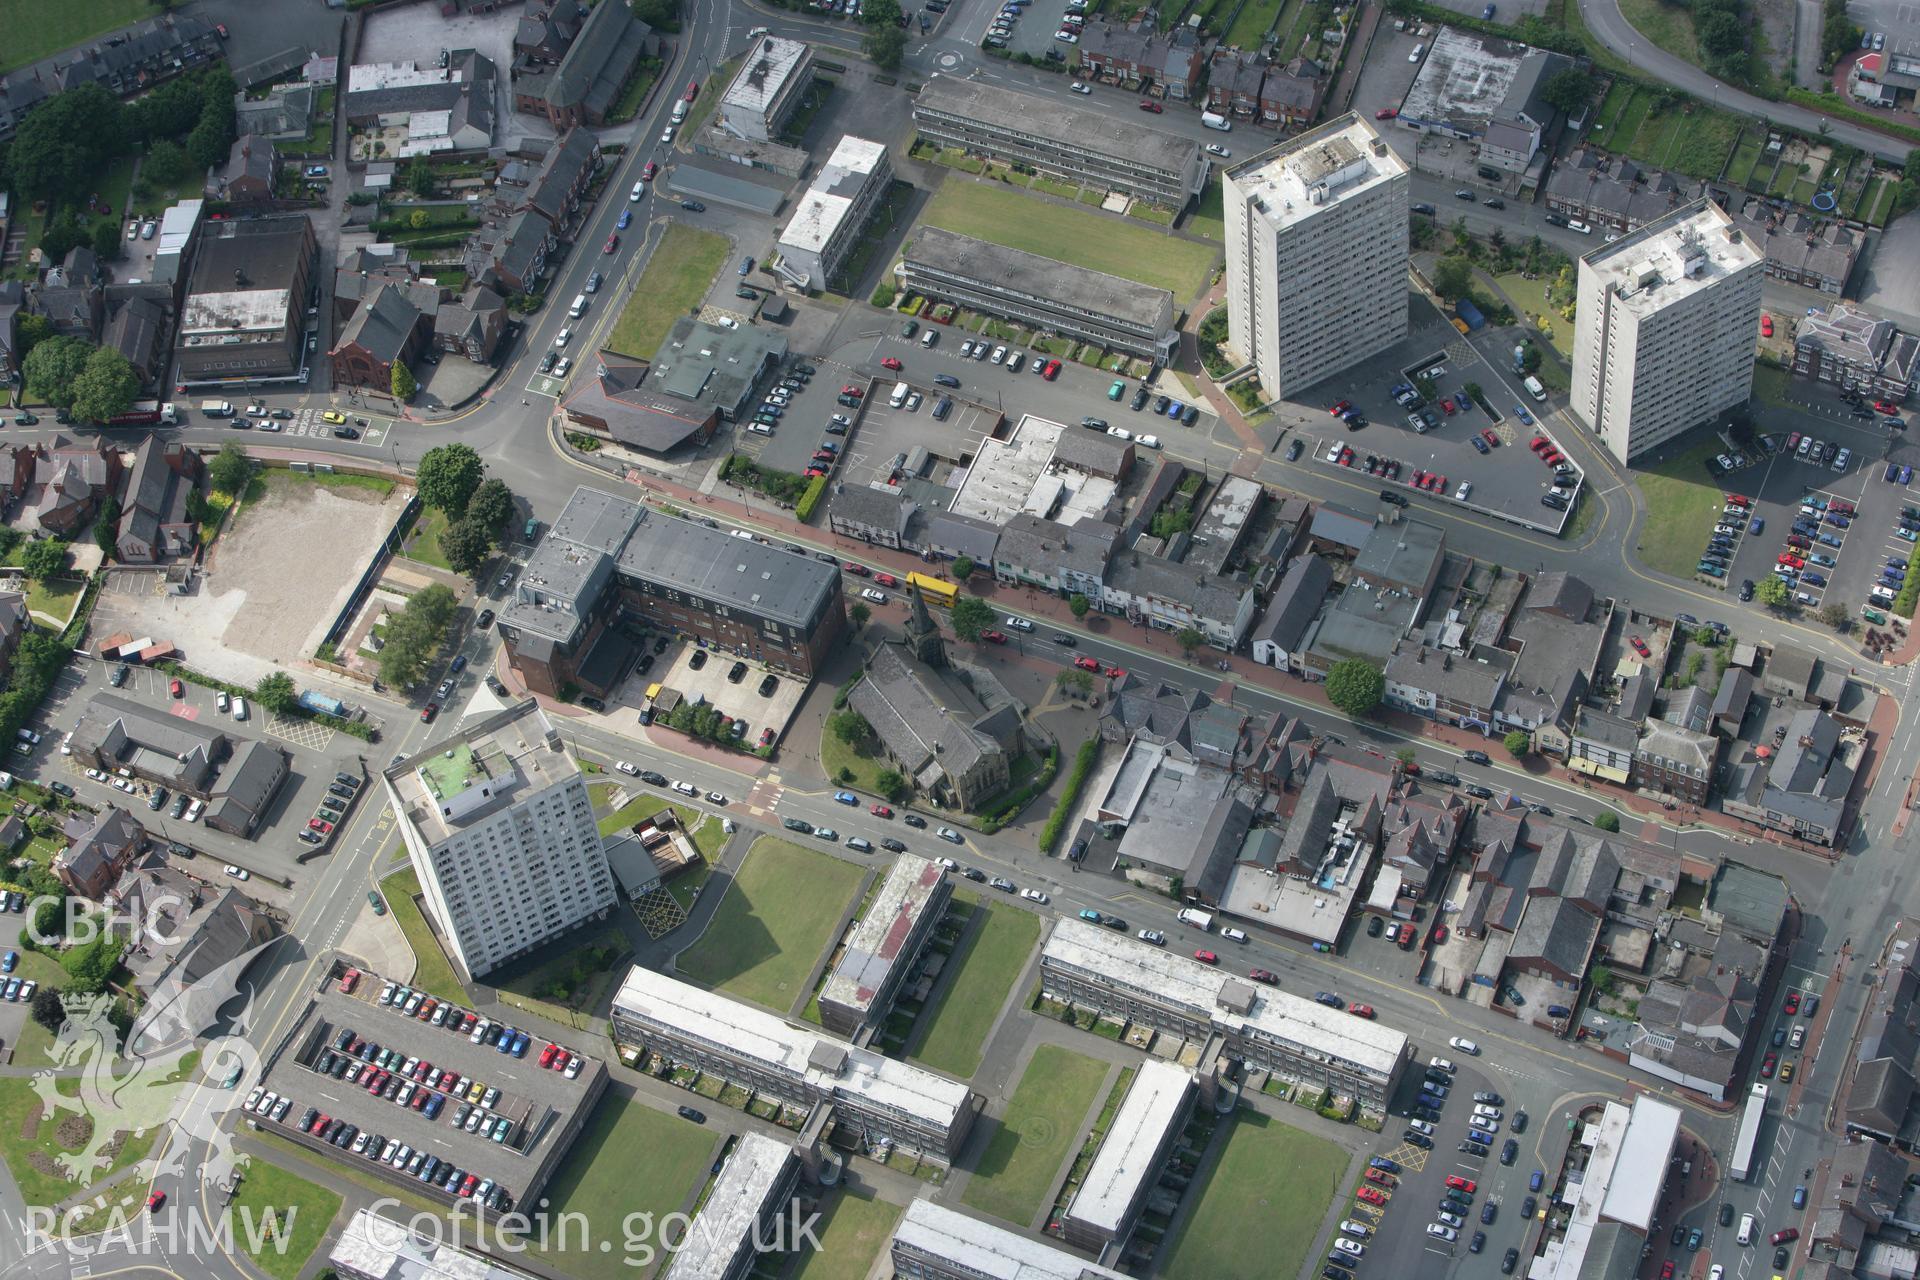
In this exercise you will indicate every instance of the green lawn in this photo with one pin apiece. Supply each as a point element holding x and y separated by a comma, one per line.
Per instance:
<point>676,279</point>
<point>30,1155</point>
<point>1092,240</point>
<point>31,1047</point>
<point>1530,296</point>
<point>852,1232</point>
<point>1668,26</point>
<point>54,599</point>
<point>629,1160</point>
<point>1249,1222</point>
<point>432,971</point>
<point>423,544</point>
<point>836,755</point>
<point>1681,501</point>
<point>285,1213</point>
<point>532,990</point>
<point>708,835</point>
<point>775,920</point>
<point>1255,19</point>
<point>1015,1174</point>
<point>36,28</point>
<point>1210,218</point>
<point>992,956</point>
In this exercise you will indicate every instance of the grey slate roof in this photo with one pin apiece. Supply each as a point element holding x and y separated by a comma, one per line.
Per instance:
<point>916,728</point>
<point>596,64</point>
<point>1295,602</point>
<point>1100,132</point>
<point>1061,283</point>
<point>382,324</point>
<point>874,506</point>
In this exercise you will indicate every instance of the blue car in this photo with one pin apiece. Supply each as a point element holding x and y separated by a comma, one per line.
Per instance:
<point>1906,474</point>
<point>1520,412</point>
<point>1813,579</point>
<point>626,219</point>
<point>520,1042</point>
<point>1175,408</point>
<point>9,960</point>
<point>1893,473</point>
<point>1533,1183</point>
<point>1383,1164</point>
<point>1759,524</point>
<point>847,797</point>
<point>1831,540</point>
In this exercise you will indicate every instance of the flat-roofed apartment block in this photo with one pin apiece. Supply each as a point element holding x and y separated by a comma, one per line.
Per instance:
<point>754,1188</point>
<point>245,301</point>
<point>1268,1030</point>
<point>874,1098</point>
<point>1316,254</point>
<point>371,1247</point>
<point>827,222</point>
<point>769,86</point>
<point>933,1242</point>
<point>883,948</point>
<point>1663,340</point>
<point>498,825</point>
<point>1044,292</point>
<point>1131,1156</point>
<point>1094,147</point>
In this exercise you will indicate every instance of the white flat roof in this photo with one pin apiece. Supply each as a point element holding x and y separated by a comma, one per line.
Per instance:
<point>1276,1016</point>
<point>1318,170</point>
<point>989,1251</point>
<point>213,316</point>
<point>732,1209</point>
<point>764,72</point>
<point>1018,474</point>
<point>368,76</point>
<point>177,224</point>
<point>876,943</point>
<point>1692,248</point>
<point>783,1047</point>
<point>817,217</point>
<point>375,1246</point>
<point>1634,1142</point>
<point>1154,1102</point>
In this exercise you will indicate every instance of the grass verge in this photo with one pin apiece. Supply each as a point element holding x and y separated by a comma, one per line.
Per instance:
<point>852,1232</point>
<point>30,1150</point>
<point>423,544</point>
<point>1245,1221</point>
<point>35,28</point>
<point>280,1218</point>
<point>771,927</point>
<point>432,972</point>
<point>676,278</point>
<point>836,755</point>
<point>1015,1174</point>
<point>1681,501</point>
<point>989,961</point>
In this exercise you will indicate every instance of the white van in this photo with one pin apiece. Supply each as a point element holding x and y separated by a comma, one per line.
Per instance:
<point>1197,918</point>
<point>1233,935</point>
<point>239,708</point>
<point>579,307</point>
<point>899,396</point>
<point>1746,1228</point>
<point>1534,389</point>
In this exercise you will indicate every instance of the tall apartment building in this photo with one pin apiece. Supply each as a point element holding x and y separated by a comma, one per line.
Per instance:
<point>1053,296</point>
<point>1664,337</point>
<point>1316,254</point>
<point>1095,147</point>
<point>499,828</point>
<point>767,90</point>
<point>933,1242</point>
<point>827,221</point>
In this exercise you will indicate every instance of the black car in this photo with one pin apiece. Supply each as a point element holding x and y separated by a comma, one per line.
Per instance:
<point>1375,926</point>
<point>1746,590</point>
<point>1420,1140</point>
<point>1473,1148</point>
<point>688,1113</point>
<point>1427,209</point>
<point>61,789</point>
<point>1476,757</point>
<point>1478,1242</point>
<point>1726,1214</point>
<point>1488,1211</point>
<point>1509,1152</point>
<point>801,825</point>
<point>1509,1261</point>
<point>1494,202</point>
<point>1293,451</point>
<point>893,846</point>
<point>1062,638</point>
<point>748,294</point>
<point>592,703</point>
<point>1139,400</point>
<point>345,433</point>
<point>914,820</point>
<point>1442,778</point>
<point>653,779</point>
<point>1527,1207</point>
<point>1477,791</point>
<point>946,379</point>
<point>975,873</point>
<point>693,206</point>
<point>1520,1120</point>
<point>1390,497</point>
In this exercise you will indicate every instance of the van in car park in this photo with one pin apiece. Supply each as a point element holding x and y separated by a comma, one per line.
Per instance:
<point>899,395</point>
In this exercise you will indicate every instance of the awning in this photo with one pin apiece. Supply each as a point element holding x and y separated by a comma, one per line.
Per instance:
<point>1594,769</point>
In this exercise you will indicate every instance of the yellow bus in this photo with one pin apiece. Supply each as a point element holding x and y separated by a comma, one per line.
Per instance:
<point>936,590</point>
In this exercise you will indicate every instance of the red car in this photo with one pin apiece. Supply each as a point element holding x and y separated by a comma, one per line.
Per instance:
<point>347,980</point>
<point>891,362</point>
<point>1766,331</point>
<point>155,1201</point>
<point>613,242</point>
<point>1738,499</point>
<point>1337,409</point>
<point>1446,405</point>
<point>646,174</point>
<point>1419,480</point>
<point>1052,370</point>
<point>1666,1270</point>
<point>1886,406</point>
<point>1767,1065</point>
<point>1784,1235</point>
<point>1273,979</point>
<point>1380,1176</point>
<point>994,637</point>
<point>886,579</point>
<point>1792,1004</point>
<point>1114,673</point>
<point>468,1183</point>
<point>428,712</point>
<point>546,1055</point>
<point>693,90</point>
<point>1792,561</point>
<point>1386,113</point>
<point>1370,1195</point>
<point>1206,957</point>
<point>1436,483</point>
<point>177,689</point>
<point>857,570</point>
<point>1537,443</point>
<point>1459,1183</point>
<point>321,825</point>
<point>880,811</point>
<point>1360,1010</point>
<point>851,390</point>
<point>1087,664</point>
<point>1639,646</point>
<point>1439,934</point>
<point>1148,104</point>
<point>1493,441</point>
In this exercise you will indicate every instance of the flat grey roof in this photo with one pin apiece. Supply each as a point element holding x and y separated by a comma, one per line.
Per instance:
<point>875,945</point>
<point>370,1245</point>
<point>717,566</point>
<point>725,1224</point>
<point>986,1249</point>
<point>1099,132</point>
<point>1047,279</point>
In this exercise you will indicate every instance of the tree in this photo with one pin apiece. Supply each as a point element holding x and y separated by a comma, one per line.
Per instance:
<point>64,144</point>
<point>415,634</point>
<point>466,545</point>
<point>1772,592</point>
<point>53,366</point>
<point>962,567</point>
<point>1569,90</point>
<point>90,964</point>
<point>1355,687</point>
<point>43,558</point>
<point>230,469</point>
<point>971,616</point>
<point>1706,636</point>
<point>1079,604</point>
<point>1835,615</point>
<point>881,13</point>
<point>29,332</point>
<point>850,727</point>
<point>275,692</point>
<point>403,382</point>
<point>166,163</point>
<point>106,526</point>
<point>48,1009</point>
<point>884,47</point>
<point>1188,639</point>
<point>859,613</point>
<point>491,506</point>
<point>1607,820</point>
<point>1518,743</point>
<point>106,241</point>
<point>417,219</point>
<point>1406,757</point>
<point>214,132</point>
<point>106,387</point>
<point>448,476</point>
<point>1720,35</point>
<point>420,177</point>
<point>1452,277</point>
<point>890,783</point>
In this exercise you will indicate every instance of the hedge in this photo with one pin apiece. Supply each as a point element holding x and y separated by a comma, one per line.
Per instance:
<point>354,728</point>
<point>1069,794</point>
<point>816,489</point>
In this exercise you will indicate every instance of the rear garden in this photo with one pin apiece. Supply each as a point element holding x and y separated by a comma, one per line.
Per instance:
<point>1245,1221</point>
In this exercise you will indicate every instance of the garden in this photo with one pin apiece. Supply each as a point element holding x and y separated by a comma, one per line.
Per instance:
<point>1013,1178</point>
<point>677,277</point>
<point>773,925</point>
<point>1244,1222</point>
